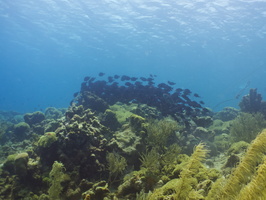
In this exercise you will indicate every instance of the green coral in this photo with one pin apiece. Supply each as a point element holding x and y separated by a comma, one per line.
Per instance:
<point>47,139</point>
<point>247,126</point>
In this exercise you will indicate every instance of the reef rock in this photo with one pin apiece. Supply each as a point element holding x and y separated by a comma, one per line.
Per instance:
<point>92,101</point>
<point>34,118</point>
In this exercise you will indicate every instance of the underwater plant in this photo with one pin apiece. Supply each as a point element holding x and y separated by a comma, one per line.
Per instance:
<point>245,180</point>
<point>150,161</point>
<point>246,127</point>
<point>159,132</point>
<point>116,165</point>
<point>184,187</point>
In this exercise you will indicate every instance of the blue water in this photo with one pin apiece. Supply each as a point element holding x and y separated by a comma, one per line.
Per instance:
<point>215,48</point>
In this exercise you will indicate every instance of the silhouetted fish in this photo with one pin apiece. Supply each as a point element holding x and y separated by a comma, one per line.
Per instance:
<point>101,74</point>
<point>138,83</point>
<point>165,86</point>
<point>128,84</point>
<point>196,95</point>
<point>92,79</point>
<point>201,102</point>
<point>125,78</point>
<point>171,83</point>
<point>187,92</point>
<point>133,78</point>
<point>86,78</point>
<point>143,79</point>
<point>110,79</point>
<point>178,90</point>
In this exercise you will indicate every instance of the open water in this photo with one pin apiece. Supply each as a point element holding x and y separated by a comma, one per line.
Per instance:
<point>215,48</point>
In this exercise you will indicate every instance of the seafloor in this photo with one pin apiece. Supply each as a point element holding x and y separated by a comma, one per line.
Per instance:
<point>131,139</point>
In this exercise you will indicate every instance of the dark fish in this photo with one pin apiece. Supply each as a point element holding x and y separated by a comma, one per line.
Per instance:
<point>125,78</point>
<point>151,83</point>
<point>133,78</point>
<point>143,79</point>
<point>195,104</point>
<point>110,79</point>
<point>196,95</point>
<point>75,94</point>
<point>164,86</point>
<point>128,84</point>
<point>150,79</point>
<point>101,74</point>
<point>137,83</point>
<point>92,79</point>
<point>201,102</point>
<point>86,78</point>
<point>171,83</point>
<point>186,92</point>
<point>179,90</point>
<point>185,97</point>
<point>116,76</point>
<point>205,110</point>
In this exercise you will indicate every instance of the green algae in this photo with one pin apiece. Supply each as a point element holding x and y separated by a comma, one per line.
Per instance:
<point>122,111</point>
<point>47,140</point>
<point>57,176</point>
<point>116,165</point>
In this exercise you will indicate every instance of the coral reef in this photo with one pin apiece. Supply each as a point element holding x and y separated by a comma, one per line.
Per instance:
<point>134,140</point>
